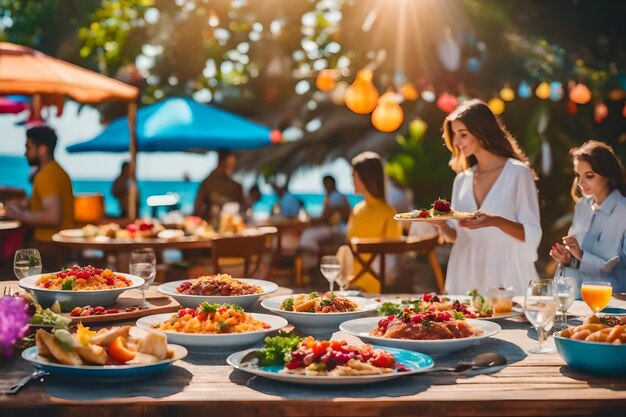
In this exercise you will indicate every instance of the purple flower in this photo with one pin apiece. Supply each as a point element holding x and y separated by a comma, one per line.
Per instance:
<point>14,319</point>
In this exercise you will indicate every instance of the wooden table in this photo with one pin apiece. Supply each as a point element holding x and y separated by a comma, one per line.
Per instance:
<point>121,248</point>
<point>531,385</point>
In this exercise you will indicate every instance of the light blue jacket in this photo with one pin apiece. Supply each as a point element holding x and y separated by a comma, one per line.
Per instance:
<point>603,233</point>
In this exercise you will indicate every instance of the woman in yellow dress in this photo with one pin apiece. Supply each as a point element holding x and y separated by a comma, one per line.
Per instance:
<point>372,217</point>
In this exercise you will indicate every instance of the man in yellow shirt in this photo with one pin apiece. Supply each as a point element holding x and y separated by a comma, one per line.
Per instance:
<point>52,200</point>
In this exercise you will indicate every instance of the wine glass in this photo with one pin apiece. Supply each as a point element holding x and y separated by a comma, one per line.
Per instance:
<point>566,288</point>
<point>540,304</point>
<point>26,262</point>
<point>143,264</point>
<point>596,294</point>
<point>330,268</point>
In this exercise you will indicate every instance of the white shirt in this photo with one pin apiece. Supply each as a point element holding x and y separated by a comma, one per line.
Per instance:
<point>601,234</point>
<point>487,257</point>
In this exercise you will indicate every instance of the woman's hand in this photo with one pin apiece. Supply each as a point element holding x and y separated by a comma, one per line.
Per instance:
<point>481,220</point>
<point>572,245</point>
<point>560,254</point>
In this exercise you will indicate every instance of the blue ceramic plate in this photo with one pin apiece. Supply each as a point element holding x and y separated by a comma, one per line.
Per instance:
<point>414,361</point>
<point>592,357</point>
<point>103,374</point>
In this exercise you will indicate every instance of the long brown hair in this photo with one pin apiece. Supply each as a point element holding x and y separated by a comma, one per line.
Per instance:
<point>490,132</point>
<point>604,162</point>
<point>369,168</point>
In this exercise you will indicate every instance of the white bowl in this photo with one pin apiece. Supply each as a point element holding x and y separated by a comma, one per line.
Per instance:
<point>80,298</point>
<point>319,322</point>
<point>363,327</point>
<point>214,344</point>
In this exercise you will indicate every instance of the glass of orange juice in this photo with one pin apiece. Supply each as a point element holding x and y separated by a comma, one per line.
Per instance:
<point>596,294</point>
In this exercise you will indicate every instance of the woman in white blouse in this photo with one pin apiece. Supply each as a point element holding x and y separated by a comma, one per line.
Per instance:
<point>594,249</point>
<point>499,247</point>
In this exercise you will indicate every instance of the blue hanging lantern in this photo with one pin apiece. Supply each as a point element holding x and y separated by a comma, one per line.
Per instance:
<point>524,90</point>
<point>556,91</point>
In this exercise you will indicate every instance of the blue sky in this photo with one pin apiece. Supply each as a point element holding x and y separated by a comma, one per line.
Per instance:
<point>75,127</point>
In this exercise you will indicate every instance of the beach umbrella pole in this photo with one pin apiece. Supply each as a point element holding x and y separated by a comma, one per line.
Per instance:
<point>132,191</point>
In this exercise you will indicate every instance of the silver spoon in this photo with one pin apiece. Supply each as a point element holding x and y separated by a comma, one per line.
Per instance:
<point>35,375</point>
<point>482,361</point>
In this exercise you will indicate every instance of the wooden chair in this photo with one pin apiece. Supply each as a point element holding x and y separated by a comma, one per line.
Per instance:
<point>380,248</point>
<point>250,248</point>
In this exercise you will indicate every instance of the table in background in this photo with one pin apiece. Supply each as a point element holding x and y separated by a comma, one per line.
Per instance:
<point>531,385</point>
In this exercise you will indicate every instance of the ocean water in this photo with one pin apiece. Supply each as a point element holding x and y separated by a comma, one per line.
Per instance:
<point>14,172</point>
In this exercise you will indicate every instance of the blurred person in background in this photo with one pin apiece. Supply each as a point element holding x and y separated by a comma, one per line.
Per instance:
<point>219,188</point>
<point>51,205</point>
<point>372,217</point>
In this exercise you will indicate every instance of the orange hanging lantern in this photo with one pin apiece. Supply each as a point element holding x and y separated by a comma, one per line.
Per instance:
<point>572,108</point>
<point>276,136</point>
<point>496,106</point>
<point>600,112</point>
<point>624,111</point>
<point>408,91</point>
<point>617,94</point>
<point>507,94</point>
<point>543,91</point>
<point>388,115</point>
<point>361,97</point>
<point>447,102</point>
<point>580,94</point>
<point>325,80</point>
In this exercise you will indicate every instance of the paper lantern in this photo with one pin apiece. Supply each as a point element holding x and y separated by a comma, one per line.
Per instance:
<point>338,93</point>
<point>447,102</point>
<point>600,112</point>
<point>496,105</point>
<point>543,91</point>
<point>556,91</point>
<point>617,94</point>
<point>417,128</point>
<point>388,115</point>
<point>524,90</point>
<point>408,91</point>
<point>325,80</point>
<point>580,94</point>
<point>428,95</point>
<point>572,108</point>
<point>361,97</point>
<point>507,94</point>
<point>276,136</point>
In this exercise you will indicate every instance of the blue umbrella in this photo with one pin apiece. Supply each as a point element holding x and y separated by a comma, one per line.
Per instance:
<point>180,124</point>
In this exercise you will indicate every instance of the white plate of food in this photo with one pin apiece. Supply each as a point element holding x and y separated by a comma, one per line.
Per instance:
<point>101,287</point>
<point>219,289</point>
<point>411,363</point>
<point>309,321</point>
<point>428,216</point>
<point>252,328</point>
<point>363,328</point>
<point>72,233</point>
<point>153,355</point>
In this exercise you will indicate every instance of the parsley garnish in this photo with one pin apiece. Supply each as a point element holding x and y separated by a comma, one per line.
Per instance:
<point>287,304</point>
<point>68,284</point>
<point>278,349</point>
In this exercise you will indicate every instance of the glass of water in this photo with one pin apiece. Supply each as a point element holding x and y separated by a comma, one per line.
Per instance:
<point>540,304</point>
<point>26,262</point>
<point>143,264</point>
<point>330,268</point>
<point>566,288</point>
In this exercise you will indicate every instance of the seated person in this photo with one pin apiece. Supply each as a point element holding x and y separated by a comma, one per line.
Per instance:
<point>120,189</point>
<point>373,217</point>
<point>288,204</point>
<point>52,200</point>
<point>219,188</point>
<point>332,223</point>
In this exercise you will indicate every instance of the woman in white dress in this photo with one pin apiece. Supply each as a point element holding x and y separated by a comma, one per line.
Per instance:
<point>499,247</point>
<point>595,247</point>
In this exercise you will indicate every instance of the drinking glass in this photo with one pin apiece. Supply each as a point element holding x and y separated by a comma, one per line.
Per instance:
<point>566,293</point>
<point>540,304</point>
<point>330,268</point>
<point>26,262</point>
<point>143,264</point>
<point>596,294</point>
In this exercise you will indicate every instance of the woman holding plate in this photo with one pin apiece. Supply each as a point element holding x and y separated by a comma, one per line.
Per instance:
<point>498,248</point>
<point>594,248</point>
